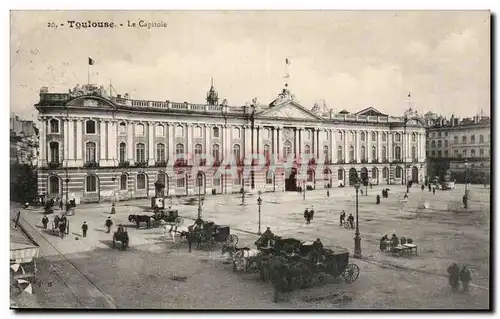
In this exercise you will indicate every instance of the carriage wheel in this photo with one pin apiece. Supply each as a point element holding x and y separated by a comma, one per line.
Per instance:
<point>231,240</point>
<point>351,273</point>
<point>179,221</point>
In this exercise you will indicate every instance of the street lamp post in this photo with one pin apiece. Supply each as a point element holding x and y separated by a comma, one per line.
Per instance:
<point>259,202</point>
<point>243,195</point>
<point>357,239</point>
<point>465,179</point>
<point>199,196</point>
<point>408,113</point>
<point>304,187</point>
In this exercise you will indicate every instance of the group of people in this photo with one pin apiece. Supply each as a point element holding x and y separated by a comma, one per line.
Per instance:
<point>309,214</point>
<point>457,275</point>
<point>350,220</point>
<point>60,223</point>
<point>393,242</point>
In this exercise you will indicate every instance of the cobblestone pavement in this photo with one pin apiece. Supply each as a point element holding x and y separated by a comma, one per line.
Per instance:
<point>144,276</point>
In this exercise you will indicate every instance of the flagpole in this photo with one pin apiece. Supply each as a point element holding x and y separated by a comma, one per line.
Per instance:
<point>88,72</point>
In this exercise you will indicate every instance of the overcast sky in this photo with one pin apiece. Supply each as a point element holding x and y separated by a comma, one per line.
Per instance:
<point>351,60</point>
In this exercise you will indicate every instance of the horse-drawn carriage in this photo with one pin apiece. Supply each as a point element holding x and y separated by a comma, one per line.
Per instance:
<point>289,263</point>
<point>170,217</point>
<point>121,236</point>
<point>210,235</point>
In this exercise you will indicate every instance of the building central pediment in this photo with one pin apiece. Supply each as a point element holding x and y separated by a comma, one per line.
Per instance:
<point>290,111</point>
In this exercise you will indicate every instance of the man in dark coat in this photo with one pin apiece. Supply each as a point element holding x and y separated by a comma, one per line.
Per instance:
<point>394,240</point>
<point>306,216</point>
<point>61,204</point>
<point>422,187</point>
<point>85,227</point>
<point>383,242</point>
<point>429,187</point>
<point>113,210</point>
<point>350,219</point>
<point>465,277</point>
<point>342,218</point>
<point>45,221</point>
<point>108,224</point>
<point>317,249</point>
<point>62,229</point>
<point>56,221</point>
<point>453,276</point>
<point>378,199</point>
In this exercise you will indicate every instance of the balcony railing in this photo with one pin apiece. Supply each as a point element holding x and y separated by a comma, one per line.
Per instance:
<point>91,164</point>
<point>141,164</point>
<point>54,165</point>
<point>160,163</point>
<point>124,164</point>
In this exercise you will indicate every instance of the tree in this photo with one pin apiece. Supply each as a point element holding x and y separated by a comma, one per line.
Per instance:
<point>23,182</point>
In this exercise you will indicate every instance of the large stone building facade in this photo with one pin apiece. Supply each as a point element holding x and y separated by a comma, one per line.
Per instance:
<point>96,147</point>
<point>23,141</point>
<point>451,143</point>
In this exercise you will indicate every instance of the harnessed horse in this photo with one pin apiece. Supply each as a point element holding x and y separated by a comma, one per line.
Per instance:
<point>140,219</point>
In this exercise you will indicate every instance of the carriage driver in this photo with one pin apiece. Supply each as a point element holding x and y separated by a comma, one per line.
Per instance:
<point>198,224</point>
<point>120,229</point>
<point>267,236</point>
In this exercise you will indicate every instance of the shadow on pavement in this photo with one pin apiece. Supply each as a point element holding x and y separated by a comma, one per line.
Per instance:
<point>108,243</point>
<point>100,230</point>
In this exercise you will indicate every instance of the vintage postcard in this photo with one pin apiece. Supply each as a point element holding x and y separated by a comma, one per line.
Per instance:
<point>250,159</point>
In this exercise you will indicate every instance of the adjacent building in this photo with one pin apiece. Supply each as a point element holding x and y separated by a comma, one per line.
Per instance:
<point>456,147</point>
<point>23,141</point>
<point>96,147</point>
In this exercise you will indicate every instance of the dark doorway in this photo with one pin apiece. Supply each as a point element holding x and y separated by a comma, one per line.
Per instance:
<point>291,181</point>
<point>353,176</point>
<point>414,174</point>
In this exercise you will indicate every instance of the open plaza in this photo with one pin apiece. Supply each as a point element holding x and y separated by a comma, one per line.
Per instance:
<point>157,273</point>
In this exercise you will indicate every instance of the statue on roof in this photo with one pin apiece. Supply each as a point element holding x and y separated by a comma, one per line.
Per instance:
<point>315,109</point>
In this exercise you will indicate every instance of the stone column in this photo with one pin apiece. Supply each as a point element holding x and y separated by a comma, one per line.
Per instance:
<point>333,146</point>
<point>79,142</point>
<point>65,142</point>
<point>357,147</point>
<point>379,146</point>
<point>227,145</point>
<point>301,140</point>
<point>319,145</point>
<point>275,141</point>
<point>151,144</point>
<point>189,146</point>
<point>208,147</point>
<point>247,148</point>
<point>345,152</point>
<point>313,142</point>
<point>42,160</point>
<point>278,144</point>
<point>71,142</point>
<point>100,158</point>
<point>368,135</point>
<point>260,141</point>
<point>389,148</point>
<point>130,142</point>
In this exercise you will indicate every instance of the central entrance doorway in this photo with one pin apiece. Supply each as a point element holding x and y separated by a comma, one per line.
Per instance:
<point>291,181</point>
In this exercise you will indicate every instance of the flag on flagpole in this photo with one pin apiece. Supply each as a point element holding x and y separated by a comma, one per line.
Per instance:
<point>409,94</point>
<point>287,61</point>
<point>91,62</point>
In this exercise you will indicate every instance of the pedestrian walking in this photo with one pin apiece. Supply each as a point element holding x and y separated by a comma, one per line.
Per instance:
<point>85,227</point>
<point>108,225</point>
<point>113,210</point>
<point>434,190</point>
<point>62,229</point>
<point>378,199</point>
<point>350,219</point>
<point>453,276</point>
<point>45,221</point>
<point>342,218</point>
<point>422,187</point>
<point>327,193</point>
<point>61,205</point>
<point>465,277</point>
<point>429,187</point>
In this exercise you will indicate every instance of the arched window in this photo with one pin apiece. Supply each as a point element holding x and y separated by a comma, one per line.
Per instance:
<point>179,151</point>
<point>384,153</point>
<point>215,132</point>
<point>90,127</point>
<point>307,149</point>
<point>363,153</point>
<point>374,137</point>
<point>384,137</point>
<point>399,171</point>
<point>397,153</point>
<point>340,174</point>
<point>384,173</point>
<point>54,126</point>
<point>123,152</point>
<point>327,175</point>
<point>374,153</point>
<point>122,128</point>
<point>397,137</point>
<point>123,182</point>
<point>325,153</point>
<point>287,149</point>
<point>198,149</point>
<point>141,181</point>
<point>362,136</point>
<point>215,152</point>
<point>140,153</point>
<point>54,152</point>
<point>179,131</point>
<point>351,153</point>
<point>413,153</point>
<point>236,152</point>
<point>160,130</point>
<point>91,183</point>
<point>90,152</point>
<point>198,132</point>
<point>374,173</point>
<point>340,154</point>
<point>181,181</point>
<point>413,137</point>
<point>200,178</point>
<point>351,136</point>
<point>267,153</point>
<point>160,152</point>
<point>309,134</point>
<point>53,184</point>
<point>310,175</point>
<point>139,129</point>
<point>237,132</point>
<point>269,177</point>
<point>339,136</point>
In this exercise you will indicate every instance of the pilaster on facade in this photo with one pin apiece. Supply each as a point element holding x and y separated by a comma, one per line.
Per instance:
<point>130,143</point>
<point>171,143</point>
<point>260,140</point>
<point>42,159</point>
<point>151,147</point>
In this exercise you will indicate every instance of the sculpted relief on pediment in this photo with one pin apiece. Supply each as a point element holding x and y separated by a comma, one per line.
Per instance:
<point>289,111</point>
